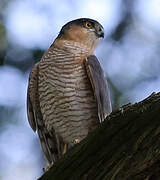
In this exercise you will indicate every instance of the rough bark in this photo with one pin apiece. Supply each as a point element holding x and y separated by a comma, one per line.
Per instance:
<point>124,147</point>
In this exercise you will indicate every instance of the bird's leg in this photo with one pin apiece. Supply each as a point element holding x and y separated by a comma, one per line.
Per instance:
<point>64,149</point>
<point>47,167</point>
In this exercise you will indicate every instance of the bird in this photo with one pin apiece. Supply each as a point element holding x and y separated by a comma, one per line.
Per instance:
<point>68,94</point>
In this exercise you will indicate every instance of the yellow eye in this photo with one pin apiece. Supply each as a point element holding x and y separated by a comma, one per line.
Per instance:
<point>88,25</point>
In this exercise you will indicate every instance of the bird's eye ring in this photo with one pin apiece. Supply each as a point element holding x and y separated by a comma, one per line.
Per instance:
<point>88,25</point>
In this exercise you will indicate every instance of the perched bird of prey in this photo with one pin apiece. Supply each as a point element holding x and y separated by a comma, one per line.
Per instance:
<point>68,95</point>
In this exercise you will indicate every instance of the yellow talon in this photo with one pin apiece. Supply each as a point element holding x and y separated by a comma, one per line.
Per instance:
<point>76,141</point>
<point>47,167</point>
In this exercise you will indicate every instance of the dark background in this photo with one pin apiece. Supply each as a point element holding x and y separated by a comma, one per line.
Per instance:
<point>129,55</point>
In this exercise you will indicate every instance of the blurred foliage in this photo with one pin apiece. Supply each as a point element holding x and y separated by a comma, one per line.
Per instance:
<point>37,54</point>
<point>119,32</point>
<point>7,112</point>
<point>3,38</point>
<point>23,59</point>
<point>2,54</point>
<point>3,44</point>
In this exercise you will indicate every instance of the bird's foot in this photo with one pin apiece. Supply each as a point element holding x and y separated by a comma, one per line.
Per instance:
<point>76,141</point>
<point>47,167</point>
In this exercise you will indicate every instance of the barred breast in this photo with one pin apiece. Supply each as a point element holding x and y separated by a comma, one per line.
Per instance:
<point>66,97</point>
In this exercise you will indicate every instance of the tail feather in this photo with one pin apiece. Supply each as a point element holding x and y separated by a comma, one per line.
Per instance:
<point>48,145</point>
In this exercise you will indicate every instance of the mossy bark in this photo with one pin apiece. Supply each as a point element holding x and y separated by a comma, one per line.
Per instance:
<point>125,146</point>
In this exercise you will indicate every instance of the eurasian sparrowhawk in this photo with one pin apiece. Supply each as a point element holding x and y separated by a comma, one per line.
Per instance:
<point>68,95</point>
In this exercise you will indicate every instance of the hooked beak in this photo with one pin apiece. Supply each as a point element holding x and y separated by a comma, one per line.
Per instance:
<point>100,32</point>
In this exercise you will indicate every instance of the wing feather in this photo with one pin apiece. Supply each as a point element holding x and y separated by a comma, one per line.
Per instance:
<point>99,85</point>
<point>47,139</point>
<point>31,98</point>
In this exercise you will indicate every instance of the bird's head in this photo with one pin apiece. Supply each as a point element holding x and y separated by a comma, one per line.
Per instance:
<point>84,31</point>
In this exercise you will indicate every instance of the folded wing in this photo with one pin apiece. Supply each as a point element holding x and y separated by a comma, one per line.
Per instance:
<point>99,85</point>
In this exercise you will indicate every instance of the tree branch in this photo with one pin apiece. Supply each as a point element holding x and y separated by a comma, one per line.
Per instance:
<point>126,146</point>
